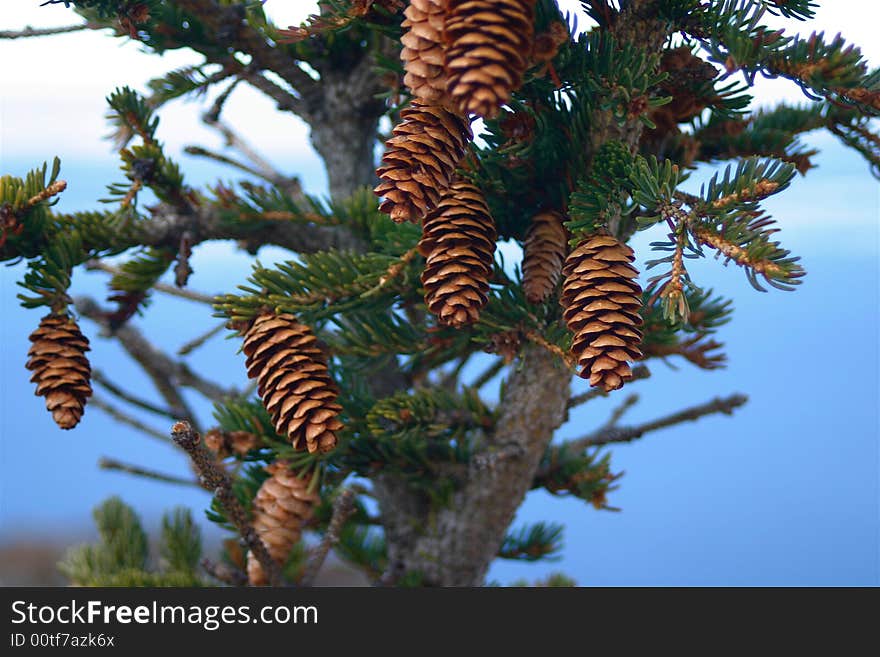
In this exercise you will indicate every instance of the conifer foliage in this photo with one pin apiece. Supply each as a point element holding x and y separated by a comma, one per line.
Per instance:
<point>409,368</point>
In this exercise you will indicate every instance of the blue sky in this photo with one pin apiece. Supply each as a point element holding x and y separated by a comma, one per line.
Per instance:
<point>785,492</point>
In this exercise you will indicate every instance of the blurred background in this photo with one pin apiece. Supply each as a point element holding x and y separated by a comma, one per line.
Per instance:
<point>785,492</point>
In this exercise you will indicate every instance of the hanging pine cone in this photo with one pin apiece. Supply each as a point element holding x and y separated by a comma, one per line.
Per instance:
<point>422,52</point>
<point>544,252</point>
<point>61,370</point>
<point>293,381</point>
<point>281,506</point>
<point>601,302</point>
<point>420,160</point>
<point>487,47</point>
<point>458,241</point>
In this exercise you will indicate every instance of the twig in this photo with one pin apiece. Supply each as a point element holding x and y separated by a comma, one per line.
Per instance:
<point>166,373</point>
<point>107,463</point>
<point>627,434</point>
<point>100,378</point>
<point>198,341</point>
<point>223,572</point>
<point>261,168</point>
<point>552,348</point>
<point>213,114</point>
<point>121,416</point>
<point>234,140</point>
<point>639,372</point>
<point>343,507</point>
<point>42,31</point>
<point>161,287</point>
<point>201,151</point>
<point>215,479</point>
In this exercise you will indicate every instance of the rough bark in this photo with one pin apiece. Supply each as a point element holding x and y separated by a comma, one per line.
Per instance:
<point>344,126</point>
<point>454,545</point>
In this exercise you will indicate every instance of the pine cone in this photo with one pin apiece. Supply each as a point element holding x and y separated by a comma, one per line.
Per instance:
<point>458,241</point>
<point>420,160</point>
<point>544,253</point>
<point>422,52</point>
<point>487,47</point>
<point>294,383</point>
<point>61,370</point>
<point>601,302</point>
<point>281,506</point>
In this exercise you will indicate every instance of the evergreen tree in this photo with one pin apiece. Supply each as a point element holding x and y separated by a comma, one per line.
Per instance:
<point>509,123</point>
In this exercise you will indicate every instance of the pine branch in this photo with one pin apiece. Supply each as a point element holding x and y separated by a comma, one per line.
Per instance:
<point>213,478</point>
<point>227,27</point>
<point>608,435</point>
<point>200,340</point>
<point>225,573</point>
<point>343,507</point>
<point>125,418</point>
<point>161,287</point>
<point>639,372</point>
<point>43,31</point>
<point>100,378</point>
<point>167,374</point>
<point>107,463</point>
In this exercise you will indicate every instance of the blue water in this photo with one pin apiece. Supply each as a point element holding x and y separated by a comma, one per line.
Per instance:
<point>784,493</point>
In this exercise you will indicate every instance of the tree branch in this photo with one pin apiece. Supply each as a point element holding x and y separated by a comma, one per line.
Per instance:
<point>343,507</point>
<point>107,463</point>
<point>120,416</point>
<point>639,372</point>
<point>166,373</point>
<point>43,31</point>
<point>213,478</point>
<point>167,226</point>
<point>173,290</point>
<point>227,26</point>
<point>100,378</point>
<point>613,434</point>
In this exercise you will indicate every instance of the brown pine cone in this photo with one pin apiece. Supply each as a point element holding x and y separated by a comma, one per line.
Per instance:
<point>61,370</point>
<point>601,302</point>
<point>281,506</point>
<point>458,242</point>
<point>487,48</point>
<point>422,52</point>
<point>293,381</point>
<point>420,160</point>
<point>543,254</point>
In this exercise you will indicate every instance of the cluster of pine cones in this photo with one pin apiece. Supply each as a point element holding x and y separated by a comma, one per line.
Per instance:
<point>464,58</point>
